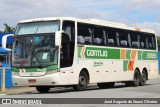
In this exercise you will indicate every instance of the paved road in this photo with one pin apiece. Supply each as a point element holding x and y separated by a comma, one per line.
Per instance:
<point>151,90</point>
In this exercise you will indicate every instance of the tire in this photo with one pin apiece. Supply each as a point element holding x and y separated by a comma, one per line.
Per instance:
<point>42,89</point>
<point>143,78</point>
<point>83,82</point>
<point>106,85</point>
<point>136,79</point>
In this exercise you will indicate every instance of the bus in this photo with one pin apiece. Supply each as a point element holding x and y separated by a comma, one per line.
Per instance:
<point>71,52</point>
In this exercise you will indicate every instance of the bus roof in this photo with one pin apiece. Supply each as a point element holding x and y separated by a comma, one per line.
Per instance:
<point>90,21</point>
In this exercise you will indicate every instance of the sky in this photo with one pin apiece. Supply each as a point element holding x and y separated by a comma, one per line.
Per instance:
<point>134,13</point>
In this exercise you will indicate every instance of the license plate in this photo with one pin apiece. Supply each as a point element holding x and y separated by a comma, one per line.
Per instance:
<point>32,80</point>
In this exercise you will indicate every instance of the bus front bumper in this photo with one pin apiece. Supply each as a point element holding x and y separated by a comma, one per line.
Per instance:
<point>46,80</point>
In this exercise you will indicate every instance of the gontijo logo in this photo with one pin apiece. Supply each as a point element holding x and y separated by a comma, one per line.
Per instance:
<point>97,53</point>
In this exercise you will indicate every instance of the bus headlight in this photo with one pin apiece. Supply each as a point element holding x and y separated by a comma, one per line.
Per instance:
<point>15,73</point>
<point>51,72</point>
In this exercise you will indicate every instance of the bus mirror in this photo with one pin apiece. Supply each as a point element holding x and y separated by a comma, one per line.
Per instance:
<point>58,38</point>
<point>4,40</point>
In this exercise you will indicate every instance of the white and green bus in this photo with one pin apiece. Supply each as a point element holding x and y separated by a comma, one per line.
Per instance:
<point>65,51</point>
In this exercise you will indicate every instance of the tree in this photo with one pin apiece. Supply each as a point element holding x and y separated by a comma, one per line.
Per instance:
<point>8,28</point>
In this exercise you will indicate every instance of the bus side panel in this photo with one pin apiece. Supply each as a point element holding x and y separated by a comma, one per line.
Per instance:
<point>104,70</point>
<point>113,71</point>
<point>153,71</point>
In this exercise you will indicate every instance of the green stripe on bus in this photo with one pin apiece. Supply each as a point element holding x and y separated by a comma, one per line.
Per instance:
<point>108,53</point>
<point>128,54</point>
<point>139,55</point>
<point>52,67</point>
<point>125,65</point>
<point>79,52</point>
<point>15,69</point>
<point>149,55</point>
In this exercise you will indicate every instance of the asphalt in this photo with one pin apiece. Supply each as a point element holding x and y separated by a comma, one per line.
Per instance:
<point>150,90</point>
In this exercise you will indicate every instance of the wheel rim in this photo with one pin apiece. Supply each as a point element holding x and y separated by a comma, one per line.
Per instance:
<point>136,77</point>
<point>82,81</point>
<point>143,77</point>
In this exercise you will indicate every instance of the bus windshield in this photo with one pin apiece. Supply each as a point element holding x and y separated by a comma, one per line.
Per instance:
<point>37,50</point>
<point>37,28</point>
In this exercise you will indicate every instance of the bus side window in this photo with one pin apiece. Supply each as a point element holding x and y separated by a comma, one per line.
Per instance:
<point>112,39</point>
<point>123,38</point>
<point>135,40</point>
<point>88,38</point>
<point>84,34</point>
<point>98,35</point>
<point>151,42</point>
<point>143,43</point>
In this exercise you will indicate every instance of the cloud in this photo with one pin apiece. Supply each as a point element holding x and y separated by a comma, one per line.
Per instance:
<point>14,10</point>
<point>143,14</point>
<point>149,25</point>
<point>144,6</point>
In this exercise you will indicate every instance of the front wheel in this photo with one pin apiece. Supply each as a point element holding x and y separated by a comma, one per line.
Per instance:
<point>42,89</point>
<point>83,81</point>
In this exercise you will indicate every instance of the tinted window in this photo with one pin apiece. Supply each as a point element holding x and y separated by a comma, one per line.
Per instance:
<point>114,37</point>
<point>98,38</point>
<point>135,39</point>
<point>85,34</point>
<point>123,38</point>
<point>151,41</point>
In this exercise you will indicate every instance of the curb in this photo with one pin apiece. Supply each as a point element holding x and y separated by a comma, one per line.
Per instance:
<point>2,94</point>
<point>18,90</point>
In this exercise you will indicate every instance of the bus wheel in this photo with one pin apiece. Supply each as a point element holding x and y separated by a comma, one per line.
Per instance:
<point>106,85</point>
<point>83,81</point>
<point>136,79</point>
<point>143,78</point>
<point>42,89</point>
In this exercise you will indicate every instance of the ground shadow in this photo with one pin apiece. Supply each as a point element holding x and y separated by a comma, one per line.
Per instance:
<point>89,88</point>
<point>58,90</point>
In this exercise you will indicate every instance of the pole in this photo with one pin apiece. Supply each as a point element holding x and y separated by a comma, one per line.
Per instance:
<point>3,80</point>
